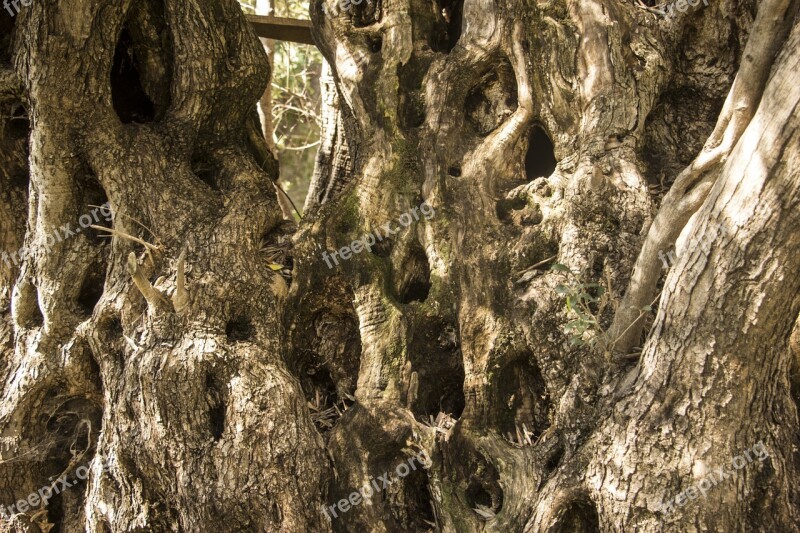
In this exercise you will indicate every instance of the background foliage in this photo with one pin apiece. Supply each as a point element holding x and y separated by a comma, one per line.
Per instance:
<point>295,103</point>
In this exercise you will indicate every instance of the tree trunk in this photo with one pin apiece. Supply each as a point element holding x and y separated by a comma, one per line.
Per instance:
<point>185,398</point>
<point>267,8</point>
<point>334,166</point>
<point>493,158</point>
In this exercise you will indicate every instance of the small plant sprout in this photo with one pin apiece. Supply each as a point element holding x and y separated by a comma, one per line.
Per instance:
<point>585,305</point>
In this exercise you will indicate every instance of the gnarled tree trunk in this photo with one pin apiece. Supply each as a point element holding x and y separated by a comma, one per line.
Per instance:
<point>495,159</point>
<point>185,397</point>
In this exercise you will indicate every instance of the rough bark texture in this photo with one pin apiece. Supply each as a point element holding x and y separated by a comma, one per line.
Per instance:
<point>334,166</point>
<point>195,413</point>
<point>208,392</point>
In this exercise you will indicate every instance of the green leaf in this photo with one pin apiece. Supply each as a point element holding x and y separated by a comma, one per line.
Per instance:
<point>558,267</point>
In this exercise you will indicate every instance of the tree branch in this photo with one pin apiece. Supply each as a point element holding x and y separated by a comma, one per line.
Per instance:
<point>154,298</point>
<point>180,300</point>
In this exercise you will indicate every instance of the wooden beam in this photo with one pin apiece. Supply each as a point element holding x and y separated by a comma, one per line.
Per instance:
<point>282,29</point>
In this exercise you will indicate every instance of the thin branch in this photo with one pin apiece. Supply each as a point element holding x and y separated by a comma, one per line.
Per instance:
<point>180,300</point>
<point>288,198</point>
<point>536,265</point>
<point>147,246</point>
<point>155,300</point>
<point>297,110</point>
<point>300,148</point>
<point>131,219</point>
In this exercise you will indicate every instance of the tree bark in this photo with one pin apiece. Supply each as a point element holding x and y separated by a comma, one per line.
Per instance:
<point>334,163</point>
<point>267,7</point>
<point>194,412</point>
<point>205,391</point>
<point>446,110</point>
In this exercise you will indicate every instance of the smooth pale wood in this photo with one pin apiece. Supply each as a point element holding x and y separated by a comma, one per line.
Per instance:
<point>282,29</point>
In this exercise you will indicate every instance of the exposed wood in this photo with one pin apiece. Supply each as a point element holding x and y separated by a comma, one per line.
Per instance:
<point>282,29</point>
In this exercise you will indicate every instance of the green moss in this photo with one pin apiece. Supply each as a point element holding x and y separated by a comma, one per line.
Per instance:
<point>440,297</point>
<point>349,214</point>
<point>450,502</point>
<point>404,175</point>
